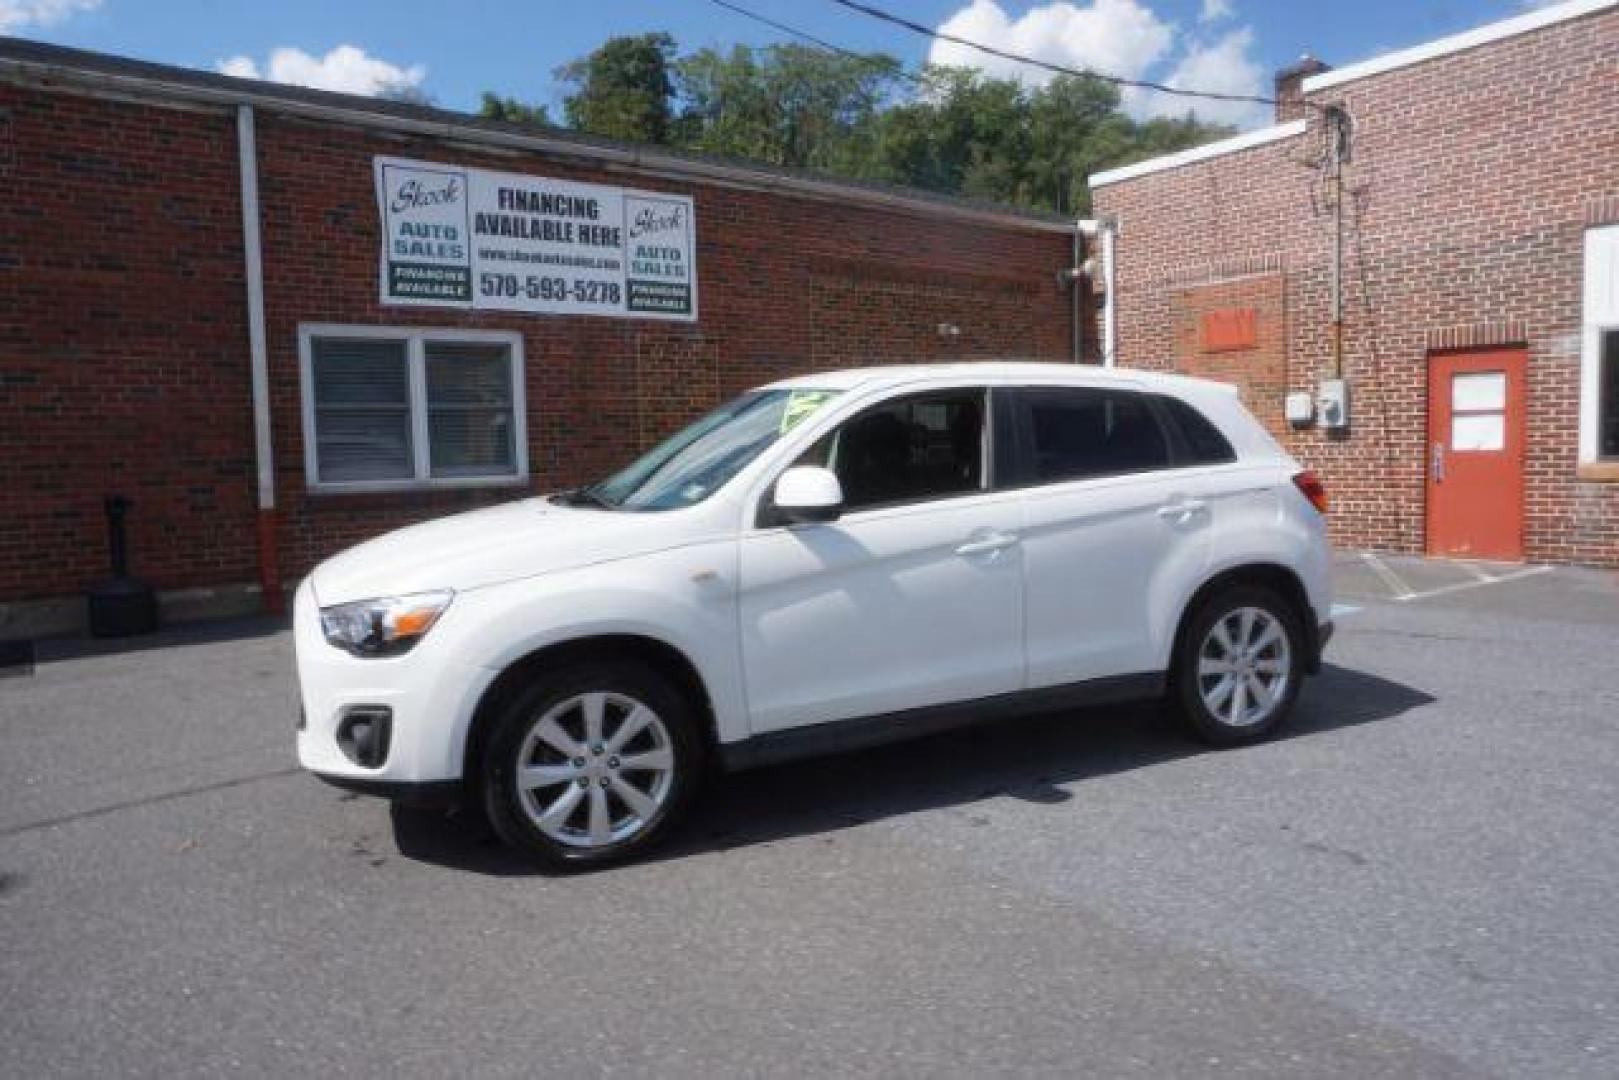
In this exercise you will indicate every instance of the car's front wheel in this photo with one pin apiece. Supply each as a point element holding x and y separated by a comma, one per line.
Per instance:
<point>1240,666</point>
<point>591,765</point>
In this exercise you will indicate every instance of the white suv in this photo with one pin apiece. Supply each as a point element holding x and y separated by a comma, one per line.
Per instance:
<point>824,563</point>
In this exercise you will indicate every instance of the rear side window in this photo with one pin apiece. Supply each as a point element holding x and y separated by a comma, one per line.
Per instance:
<point>1200,441</point>
<point>1079,432</point>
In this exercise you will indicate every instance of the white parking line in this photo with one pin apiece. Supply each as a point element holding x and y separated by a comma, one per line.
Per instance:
<point>1461,585</point>
<point>1341,610</point>
<point>1401,590</point>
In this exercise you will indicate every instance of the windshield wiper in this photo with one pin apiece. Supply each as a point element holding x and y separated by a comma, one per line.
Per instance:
<point>585,496</point>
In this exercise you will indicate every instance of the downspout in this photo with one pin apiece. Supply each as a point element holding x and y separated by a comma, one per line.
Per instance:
<point>258,358</point>
<point>1076,290</point>
<point>1082,273</point>
<point>1109,231</point>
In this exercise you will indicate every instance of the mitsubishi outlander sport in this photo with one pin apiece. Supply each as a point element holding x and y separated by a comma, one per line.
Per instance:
<point>823,563</point>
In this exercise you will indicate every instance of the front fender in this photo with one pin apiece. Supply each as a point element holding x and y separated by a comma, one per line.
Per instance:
<point>684,598</point>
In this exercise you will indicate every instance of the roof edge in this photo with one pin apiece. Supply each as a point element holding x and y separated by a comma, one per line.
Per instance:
<point>1529,21</point>
<point>43,64</point>
<point>1248,140</point>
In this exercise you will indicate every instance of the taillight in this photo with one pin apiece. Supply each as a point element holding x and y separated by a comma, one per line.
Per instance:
<point>1310,485</point>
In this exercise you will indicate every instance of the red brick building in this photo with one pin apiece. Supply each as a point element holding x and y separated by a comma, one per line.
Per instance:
<point>1475,189</point>
<point>145,289</point>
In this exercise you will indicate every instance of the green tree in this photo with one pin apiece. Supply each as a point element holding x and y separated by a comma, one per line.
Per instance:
<point>495,107</point>
<point>962,133</point>
<point>785,104</point>
<point>951,130</point>
<point>623,90</point>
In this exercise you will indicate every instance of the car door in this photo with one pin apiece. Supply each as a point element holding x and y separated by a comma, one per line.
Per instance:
<point>1111,531</point>
<point>913,597</point>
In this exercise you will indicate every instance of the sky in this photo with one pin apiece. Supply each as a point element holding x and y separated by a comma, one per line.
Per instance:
<point>453,51</point>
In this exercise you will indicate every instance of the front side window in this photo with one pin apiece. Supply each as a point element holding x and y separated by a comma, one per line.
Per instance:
<point>1080,432</point>
<point>912,449</point>
<point>411,408</point>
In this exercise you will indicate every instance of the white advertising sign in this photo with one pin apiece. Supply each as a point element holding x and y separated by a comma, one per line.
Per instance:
<point>472,238</point>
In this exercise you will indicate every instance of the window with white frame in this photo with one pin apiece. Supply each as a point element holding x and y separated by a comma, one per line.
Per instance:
<point>399,408</point>
<point>1599,352</point>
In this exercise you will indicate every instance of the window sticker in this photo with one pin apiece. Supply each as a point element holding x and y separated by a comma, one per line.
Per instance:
<point>801,405</point>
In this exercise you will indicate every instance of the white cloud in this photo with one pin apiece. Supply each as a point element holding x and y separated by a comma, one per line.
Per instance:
<point>1225,67</point>
<point>17,14</point>
<point>1117,37</point>
<point>346,68</point>
<point>1120,37</point>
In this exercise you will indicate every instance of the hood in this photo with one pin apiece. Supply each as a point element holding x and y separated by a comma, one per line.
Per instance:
<point>484,547</point>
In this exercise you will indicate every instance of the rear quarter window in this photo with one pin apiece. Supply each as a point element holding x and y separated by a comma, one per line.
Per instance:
<point>1198,441</point>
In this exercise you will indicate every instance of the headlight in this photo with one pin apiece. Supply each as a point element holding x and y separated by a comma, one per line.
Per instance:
<point>385,627</point>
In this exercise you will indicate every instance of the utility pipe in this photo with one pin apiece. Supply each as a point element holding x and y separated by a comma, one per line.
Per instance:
<point>258,359</point>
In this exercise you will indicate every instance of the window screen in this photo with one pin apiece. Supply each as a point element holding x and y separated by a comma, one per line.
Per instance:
<point>1202,443</point>
<point>419,407</point>
<point>1608,397</point>
<point>362,410</point>
<point>925,447</point>
<point>469,409</point>
<point>1081,432</point>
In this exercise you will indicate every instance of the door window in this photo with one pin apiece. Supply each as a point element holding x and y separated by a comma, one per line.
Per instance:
<point>1074,433</point>
<point>1478,410</point>
<point>927,446</point>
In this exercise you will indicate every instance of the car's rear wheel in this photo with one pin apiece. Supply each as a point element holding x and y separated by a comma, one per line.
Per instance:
<point>591,765</point>
<point>1240,666</point>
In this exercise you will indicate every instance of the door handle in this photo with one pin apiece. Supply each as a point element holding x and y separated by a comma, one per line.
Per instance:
<point>1438,466</point>
<point>1182,510</point>
<point>986,545</point>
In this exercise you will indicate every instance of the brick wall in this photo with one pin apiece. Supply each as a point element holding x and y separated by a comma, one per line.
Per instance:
<point>124,362</point>
<point>1473,178</point>
<point>122,344</point>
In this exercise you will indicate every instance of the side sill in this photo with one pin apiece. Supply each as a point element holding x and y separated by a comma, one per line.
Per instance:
<point>837,736</point>
<point>424,793</point>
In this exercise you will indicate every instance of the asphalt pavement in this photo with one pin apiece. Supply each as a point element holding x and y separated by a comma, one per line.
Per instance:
<point>1419,879</point>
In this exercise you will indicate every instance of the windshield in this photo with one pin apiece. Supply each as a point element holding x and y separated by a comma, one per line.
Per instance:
<point>694,463</point>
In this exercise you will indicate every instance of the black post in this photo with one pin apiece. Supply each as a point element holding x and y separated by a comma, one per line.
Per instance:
<point>120,606</point>
<point>117,543</point>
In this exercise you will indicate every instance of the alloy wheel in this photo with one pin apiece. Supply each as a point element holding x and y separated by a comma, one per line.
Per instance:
<point>1243,667</point>
<point>595,769</point>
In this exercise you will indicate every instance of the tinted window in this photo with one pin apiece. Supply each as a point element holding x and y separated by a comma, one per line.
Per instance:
<point>915,448</point>
<point>1201,441</point>
<point>1608,397</point>
<point>1091,432</point>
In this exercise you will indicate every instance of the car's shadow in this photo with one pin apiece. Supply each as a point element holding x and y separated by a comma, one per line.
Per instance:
<point>1037,759</point>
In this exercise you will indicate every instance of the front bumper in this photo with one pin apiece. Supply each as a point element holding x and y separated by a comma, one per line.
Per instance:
<point>423,793</point>
<point>427,694</point>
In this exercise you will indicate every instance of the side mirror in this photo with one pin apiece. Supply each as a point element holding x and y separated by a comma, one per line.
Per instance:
<point>808,493</point>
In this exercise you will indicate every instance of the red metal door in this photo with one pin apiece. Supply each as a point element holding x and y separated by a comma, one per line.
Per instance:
<point>1475,454</point>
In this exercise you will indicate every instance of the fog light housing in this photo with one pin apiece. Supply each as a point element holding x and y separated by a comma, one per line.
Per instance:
<point>363,734</point>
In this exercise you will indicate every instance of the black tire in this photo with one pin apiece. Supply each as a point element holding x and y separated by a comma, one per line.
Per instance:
<point>1187,689</point>
<point>504,801</point>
